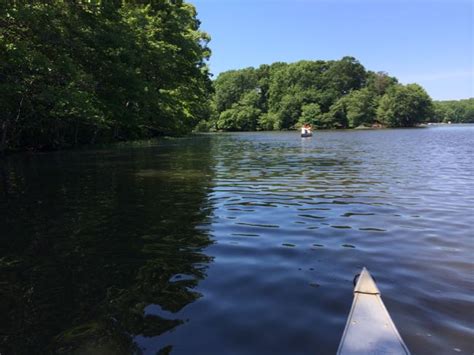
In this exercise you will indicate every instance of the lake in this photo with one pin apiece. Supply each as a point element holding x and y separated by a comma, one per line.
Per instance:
<point>242,243</point>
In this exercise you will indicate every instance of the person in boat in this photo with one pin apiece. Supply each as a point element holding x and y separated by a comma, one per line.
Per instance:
<point>306,129</point>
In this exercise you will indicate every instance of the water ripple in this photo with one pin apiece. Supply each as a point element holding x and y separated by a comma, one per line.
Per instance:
<point>329,206</point>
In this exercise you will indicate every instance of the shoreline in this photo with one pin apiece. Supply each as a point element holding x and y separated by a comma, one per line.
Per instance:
<point>152,141</point>
<point>422,125</point>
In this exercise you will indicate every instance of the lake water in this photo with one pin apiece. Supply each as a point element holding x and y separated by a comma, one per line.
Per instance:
<point>238,243</point>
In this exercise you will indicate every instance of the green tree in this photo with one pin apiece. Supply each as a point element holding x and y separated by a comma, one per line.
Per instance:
<point>360,107</point>
<point>379,82</point>
<point>337,115</point>
<point>242,116</point>
<point>460,111</point>
<point>345,75</point>
<point>79,72</point>
<point>230,86</point>
<point>329,94</point>
<point>404,106</point>
<point>311,113</point>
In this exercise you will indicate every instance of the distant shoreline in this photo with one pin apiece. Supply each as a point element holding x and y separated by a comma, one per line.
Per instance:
<point>420,126</point>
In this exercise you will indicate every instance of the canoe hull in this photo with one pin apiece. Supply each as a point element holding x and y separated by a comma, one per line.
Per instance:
<point>369,328</point>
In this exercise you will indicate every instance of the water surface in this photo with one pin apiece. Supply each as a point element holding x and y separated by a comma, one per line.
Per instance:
<point>238,243</point>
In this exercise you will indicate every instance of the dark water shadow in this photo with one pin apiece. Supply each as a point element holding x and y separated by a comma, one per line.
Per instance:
<point>90,246</point>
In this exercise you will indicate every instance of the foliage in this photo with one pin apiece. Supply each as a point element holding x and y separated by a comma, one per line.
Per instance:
<point>379,82</point>
<point>242,116</point>
<point>404,106</point>
<point>232,85</point>
<point>311,113</point>
<point>461,111</point>
<point>337,115</point>
<point>327,94</point>
<point>78,72</point>
<point>360,106</point>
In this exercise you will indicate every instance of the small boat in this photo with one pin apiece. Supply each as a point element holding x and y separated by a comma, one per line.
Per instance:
<point>369,328</point>
<point>305,135</point>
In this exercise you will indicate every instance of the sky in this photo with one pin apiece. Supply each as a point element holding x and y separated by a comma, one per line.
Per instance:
<point>429,42</point>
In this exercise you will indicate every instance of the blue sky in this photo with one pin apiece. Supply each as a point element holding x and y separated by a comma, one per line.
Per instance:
<point>425,41</point>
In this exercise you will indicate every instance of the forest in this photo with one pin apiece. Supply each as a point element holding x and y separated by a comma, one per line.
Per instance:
<point>454,111</point>
<point>81,72</point>
<point>326,94</point>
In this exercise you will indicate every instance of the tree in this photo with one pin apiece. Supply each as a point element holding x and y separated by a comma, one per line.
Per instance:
<point>79,72</point>
<point>329,94</point>
<point>230,86</point>
<point>460,111</point>
<point>242,116</point>
<point>337,115</point>
<point>345,75</point>
<point>379,82</point>
<point>360,107</point>
<point>404,106</point>
<point>269,121</point>
<point>311,113</point>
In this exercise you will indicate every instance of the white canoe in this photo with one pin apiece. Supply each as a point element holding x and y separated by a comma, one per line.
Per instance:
<point>369,328</point>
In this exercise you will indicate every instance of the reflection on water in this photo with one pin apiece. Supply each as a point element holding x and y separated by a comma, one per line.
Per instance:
<point>239,243</point>
<point>101,247</point>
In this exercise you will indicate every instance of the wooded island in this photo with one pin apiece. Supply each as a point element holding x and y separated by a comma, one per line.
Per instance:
<point>326,94</point>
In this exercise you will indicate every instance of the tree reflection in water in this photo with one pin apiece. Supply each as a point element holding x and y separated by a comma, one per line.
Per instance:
<point>94,242</point>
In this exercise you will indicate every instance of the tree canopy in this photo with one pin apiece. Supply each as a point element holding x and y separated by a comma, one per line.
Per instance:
<point>79,72</point>
<point>404,106</point>
<point>460,111</point>
<point>327,94</point>
<point>75,72</point>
